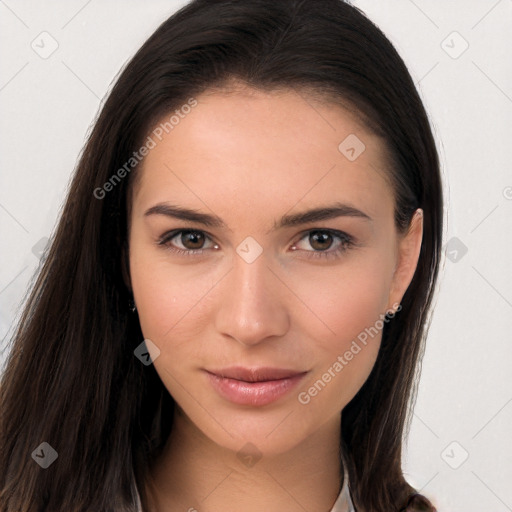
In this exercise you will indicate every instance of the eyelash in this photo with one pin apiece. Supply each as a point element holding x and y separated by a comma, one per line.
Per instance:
<point>346,240</point>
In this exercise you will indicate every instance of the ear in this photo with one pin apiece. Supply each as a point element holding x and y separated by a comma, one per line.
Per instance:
<point>408,253</point>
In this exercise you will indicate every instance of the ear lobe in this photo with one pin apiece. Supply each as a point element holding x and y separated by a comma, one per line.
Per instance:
<point>408,255</point>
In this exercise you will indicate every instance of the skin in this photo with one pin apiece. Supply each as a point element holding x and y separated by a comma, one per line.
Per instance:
<point>250,157</point>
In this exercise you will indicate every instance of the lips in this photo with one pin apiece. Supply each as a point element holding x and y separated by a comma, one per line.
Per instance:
<point>260,374</point>
<point>253,386</point>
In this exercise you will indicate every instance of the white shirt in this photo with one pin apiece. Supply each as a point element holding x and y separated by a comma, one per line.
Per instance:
<point>343,502</point>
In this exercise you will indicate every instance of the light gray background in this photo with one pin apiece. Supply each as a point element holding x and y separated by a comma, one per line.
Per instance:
<point>464,403</point>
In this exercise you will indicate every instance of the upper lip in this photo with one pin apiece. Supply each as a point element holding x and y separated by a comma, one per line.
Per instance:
<point>258,374</point>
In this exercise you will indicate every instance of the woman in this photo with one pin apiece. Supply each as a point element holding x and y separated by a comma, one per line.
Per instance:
<point>232,310</point>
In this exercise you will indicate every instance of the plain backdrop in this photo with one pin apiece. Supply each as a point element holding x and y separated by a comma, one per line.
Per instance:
<point>58,61</point>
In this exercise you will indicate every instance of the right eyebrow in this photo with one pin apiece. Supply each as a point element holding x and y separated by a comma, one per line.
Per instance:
<point>178,212</point>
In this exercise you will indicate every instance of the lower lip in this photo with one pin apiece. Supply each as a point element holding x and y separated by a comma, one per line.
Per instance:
<point>253,393</point>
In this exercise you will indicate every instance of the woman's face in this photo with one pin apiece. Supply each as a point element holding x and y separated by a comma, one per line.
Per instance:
<point>256,283</point>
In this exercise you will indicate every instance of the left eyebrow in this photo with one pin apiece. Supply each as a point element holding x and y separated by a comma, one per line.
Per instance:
<point>296,219</point>
<point>319,214</point>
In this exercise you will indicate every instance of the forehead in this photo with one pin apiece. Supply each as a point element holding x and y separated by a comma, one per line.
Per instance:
<point>249,150</point>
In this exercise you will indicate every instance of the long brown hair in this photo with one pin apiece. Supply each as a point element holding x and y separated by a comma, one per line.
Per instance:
<point>71,378</point>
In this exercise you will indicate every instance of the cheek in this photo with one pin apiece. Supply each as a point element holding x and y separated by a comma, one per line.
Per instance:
<point>167,296</point>
<point>343,300</point>
<point>171,311</point>
<point>349,304</point>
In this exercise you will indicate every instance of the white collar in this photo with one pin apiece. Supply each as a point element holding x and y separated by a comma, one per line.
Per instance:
<point>343,502</point>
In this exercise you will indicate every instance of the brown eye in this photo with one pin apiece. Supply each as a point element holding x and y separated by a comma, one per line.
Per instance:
<point>324,243</point>
<point>320,240</point>
<point>192,239</point>
<point>187,242</point>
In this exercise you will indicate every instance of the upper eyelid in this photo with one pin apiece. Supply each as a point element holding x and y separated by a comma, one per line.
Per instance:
<point>169,235</point>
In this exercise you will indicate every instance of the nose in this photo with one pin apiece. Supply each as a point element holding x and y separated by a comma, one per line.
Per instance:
<point>251,306</point>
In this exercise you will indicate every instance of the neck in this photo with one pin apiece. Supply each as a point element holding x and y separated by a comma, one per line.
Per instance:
<point>195,474</point>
